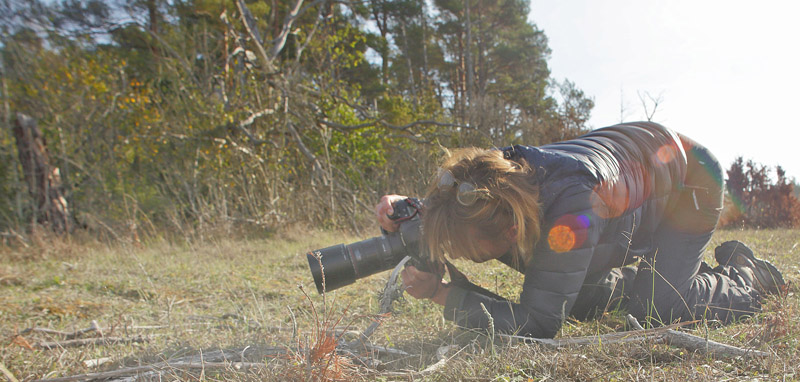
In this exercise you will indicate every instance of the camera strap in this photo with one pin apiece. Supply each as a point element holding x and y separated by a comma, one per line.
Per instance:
<point>460,280</point>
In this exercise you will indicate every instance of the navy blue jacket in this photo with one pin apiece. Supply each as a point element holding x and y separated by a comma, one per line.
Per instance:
<point>602,195</point>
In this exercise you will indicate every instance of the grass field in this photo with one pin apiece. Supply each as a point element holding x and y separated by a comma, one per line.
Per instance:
<point>244,294</point>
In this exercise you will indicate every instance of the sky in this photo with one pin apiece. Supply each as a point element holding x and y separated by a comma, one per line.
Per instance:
<point>727,73</point>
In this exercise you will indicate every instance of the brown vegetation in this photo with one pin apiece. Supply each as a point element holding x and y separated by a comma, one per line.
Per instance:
<point>755,200</point>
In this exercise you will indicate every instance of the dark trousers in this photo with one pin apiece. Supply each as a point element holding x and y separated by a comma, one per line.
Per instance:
<point>672,283</point>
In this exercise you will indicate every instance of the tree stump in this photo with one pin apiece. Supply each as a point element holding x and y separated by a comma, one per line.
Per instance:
<point>44,180</point>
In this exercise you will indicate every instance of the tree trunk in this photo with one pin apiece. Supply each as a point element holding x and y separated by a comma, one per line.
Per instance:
<point>383,27</point>
<point>424,22</point>
<point>468,55</point>
<point>411,83</point>
<point>152,25</point>
<point>44,180</point>
<point>152,16</point>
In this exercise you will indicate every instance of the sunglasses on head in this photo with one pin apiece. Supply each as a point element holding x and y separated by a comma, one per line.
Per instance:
<point>467,194</point>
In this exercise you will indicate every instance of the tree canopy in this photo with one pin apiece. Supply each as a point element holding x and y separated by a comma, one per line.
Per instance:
<point>195,114</point>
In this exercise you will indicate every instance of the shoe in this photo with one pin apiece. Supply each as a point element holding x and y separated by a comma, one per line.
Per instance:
<point>760,274</point>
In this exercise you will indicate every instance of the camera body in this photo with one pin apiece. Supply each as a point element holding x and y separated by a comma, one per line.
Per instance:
<point>339,265</point>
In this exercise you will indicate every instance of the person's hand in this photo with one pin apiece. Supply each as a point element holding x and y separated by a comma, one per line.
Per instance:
<point>384,208</point>
<point>420,284</point>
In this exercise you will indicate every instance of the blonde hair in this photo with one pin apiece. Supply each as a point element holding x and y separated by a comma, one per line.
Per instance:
<point>511,199</point>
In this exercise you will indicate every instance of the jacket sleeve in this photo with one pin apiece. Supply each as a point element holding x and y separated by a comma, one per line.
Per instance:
<point>553,276</point>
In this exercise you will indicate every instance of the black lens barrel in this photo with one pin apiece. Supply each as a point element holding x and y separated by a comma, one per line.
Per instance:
<point>343,264</point>
<point>334,264</point>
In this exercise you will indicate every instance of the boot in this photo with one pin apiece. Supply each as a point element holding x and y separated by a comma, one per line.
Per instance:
<point>759,274</point>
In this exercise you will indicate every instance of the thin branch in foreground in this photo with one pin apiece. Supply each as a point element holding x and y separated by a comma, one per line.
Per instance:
<point>666,334</point>
<point>441,355</point>
<point>93,327</point>
<point>699,344</point>
<point>9,375</point>
<point>90,341</point>
<point>247,122</point>
<point>389,125</point>
<point>159,367</point>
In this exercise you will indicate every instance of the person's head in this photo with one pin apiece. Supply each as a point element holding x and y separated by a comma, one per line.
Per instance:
<point>479,206</point>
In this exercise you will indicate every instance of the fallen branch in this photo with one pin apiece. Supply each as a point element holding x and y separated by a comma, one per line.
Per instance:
<point>610,338</point>
<point>706,346</point>
<point>442,359</point>
<point>699,344</point>
<point>375,349</point>
<point>9,375</point>
<point>247,354</point>
<point>231,359</point>
<point>666,334</point>
<point>441,355</point>
<point>10,234</point>
<point>159,367</point>
<point>90,341</point>
<point>96,362</point>
<point>93,327</point>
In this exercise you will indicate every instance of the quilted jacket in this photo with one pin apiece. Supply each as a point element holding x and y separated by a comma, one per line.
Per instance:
<point>602,195</point>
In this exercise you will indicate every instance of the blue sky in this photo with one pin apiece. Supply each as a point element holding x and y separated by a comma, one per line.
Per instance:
<point>727,73</point>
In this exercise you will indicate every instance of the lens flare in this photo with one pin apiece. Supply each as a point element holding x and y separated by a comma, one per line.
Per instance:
<point>610,199</point>
<point>584,221</point>
<point>666,154</point>
<point>569,232</point>
<point>561,238</point>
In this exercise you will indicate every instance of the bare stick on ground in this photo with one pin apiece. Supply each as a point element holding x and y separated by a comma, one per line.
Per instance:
<point>93,327</point>
<point>90,341</point>
<point>159,367</point>
<point>699,344</point>
<point>665,334</point>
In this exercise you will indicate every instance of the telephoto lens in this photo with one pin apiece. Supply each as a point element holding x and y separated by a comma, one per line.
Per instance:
<point>339,265</point>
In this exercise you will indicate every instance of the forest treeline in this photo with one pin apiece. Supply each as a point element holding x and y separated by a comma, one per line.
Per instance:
<point>206,113</point>
<point>189,115</point>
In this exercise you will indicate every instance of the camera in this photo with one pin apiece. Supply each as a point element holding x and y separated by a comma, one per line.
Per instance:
<point>340,265</point>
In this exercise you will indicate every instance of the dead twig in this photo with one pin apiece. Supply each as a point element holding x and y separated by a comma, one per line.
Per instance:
<point>442,359</point>
<point>706,346</point>
<point>375,349</point>
<point>93,327</point>
<point>441,355</point>
<point>102,330</point>
<point>9,375</point>
<point>230,359</point>
<point>699,344</point>
<point>666,334</point>
<point>90,341</point>
<point>159,367</point>
<point>383,123</point>
<point>11,234</point>
<point>610,338</point>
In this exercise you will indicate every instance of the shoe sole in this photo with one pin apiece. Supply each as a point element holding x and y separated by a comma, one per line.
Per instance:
<point>766,274</point>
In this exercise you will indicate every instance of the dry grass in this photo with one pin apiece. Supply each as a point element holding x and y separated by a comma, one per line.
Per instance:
<point>229,294</point>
